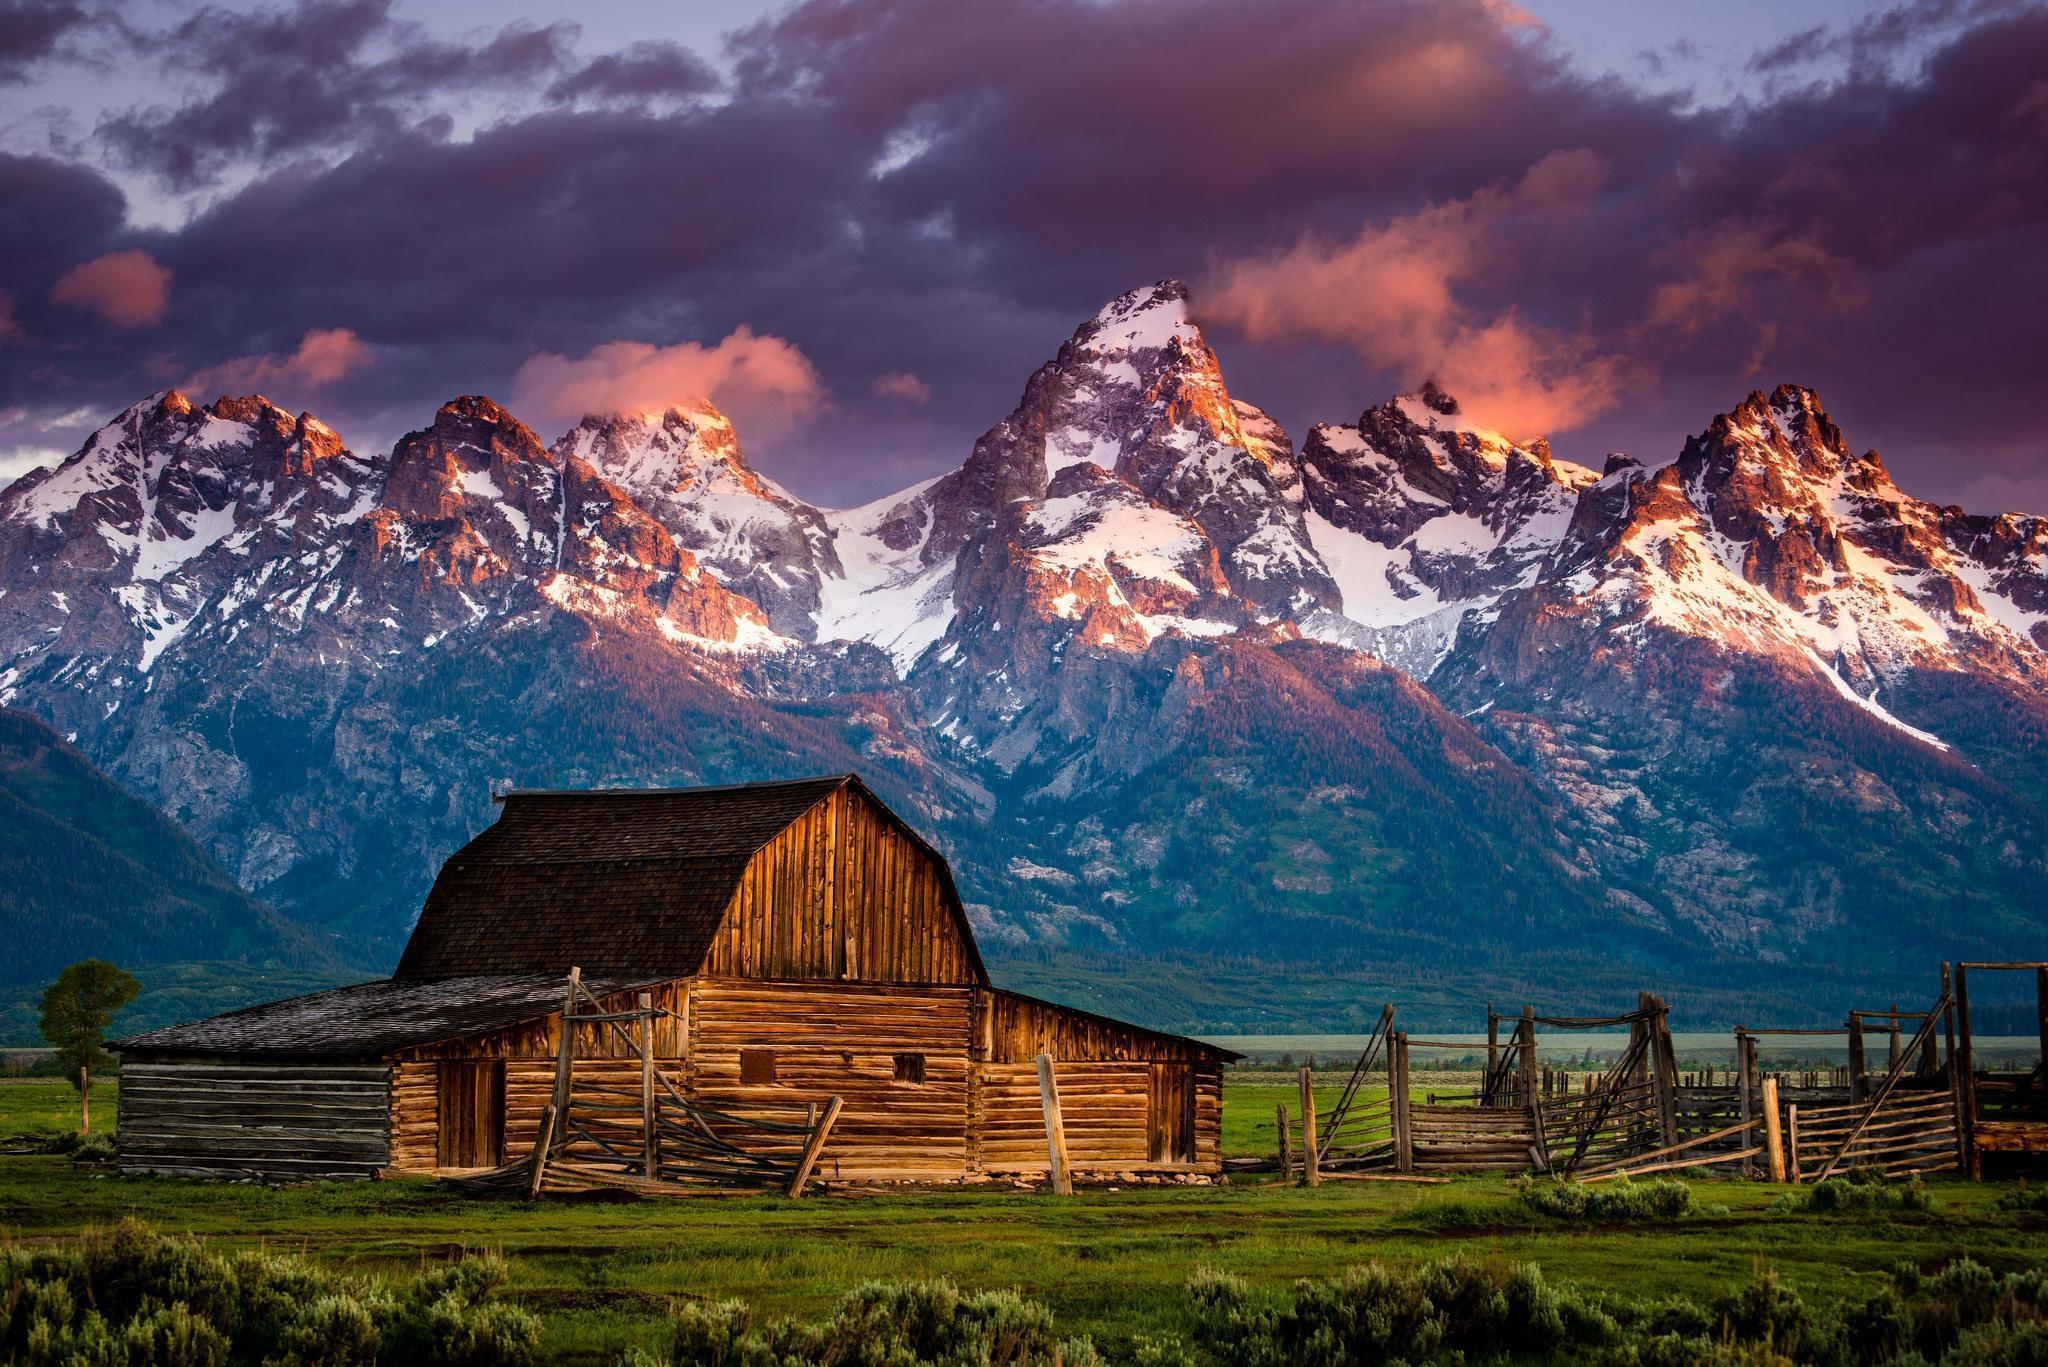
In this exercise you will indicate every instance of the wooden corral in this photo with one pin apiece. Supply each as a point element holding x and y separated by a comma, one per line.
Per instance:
<point>2002,1115</point>
<point>1643,1115</point>
<point>760,954</point>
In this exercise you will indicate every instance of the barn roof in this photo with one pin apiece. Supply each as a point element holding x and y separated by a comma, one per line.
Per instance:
<point>371,1019</point>
<point>619,881</point>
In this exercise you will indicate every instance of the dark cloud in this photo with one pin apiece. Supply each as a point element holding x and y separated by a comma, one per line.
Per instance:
<point>30,30</point>
<point>643,73</point>
<point>323,75</point>
<point>920,188</point>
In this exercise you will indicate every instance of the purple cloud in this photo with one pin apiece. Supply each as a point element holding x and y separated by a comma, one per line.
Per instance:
<point>913,187</point>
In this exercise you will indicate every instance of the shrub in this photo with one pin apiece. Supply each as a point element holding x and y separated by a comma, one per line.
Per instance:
<point>83,1148</point>
<point>1377,1314</point>
<point>900,1324</point>
<point>133,1297</point>
<point>2023,1199</point>
<point>1862,1192</point>
<point>1622,1202</point>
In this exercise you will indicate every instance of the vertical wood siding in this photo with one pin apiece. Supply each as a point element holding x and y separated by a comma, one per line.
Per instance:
<point>843,894</point>
<point>228,1118</point>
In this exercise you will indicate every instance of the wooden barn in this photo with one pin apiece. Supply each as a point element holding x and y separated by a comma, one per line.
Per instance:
<point>744,951</point>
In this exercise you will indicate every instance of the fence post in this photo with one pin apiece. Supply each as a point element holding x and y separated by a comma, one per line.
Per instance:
<point>1856,1063</point>
<point>1966,1074</point>
<point>1492,1055</point>
<point>647,1132</point>
<point>1311,1168</point>
<point>1397,1083</point>
<point>1055,1128</point>
<point>1525,1035</point>
<point>1774,1139</point>
<point>1663,1069</point>
<point>1286,1138</point>
<point>2041,1007</point>
<point>1792,1145</point>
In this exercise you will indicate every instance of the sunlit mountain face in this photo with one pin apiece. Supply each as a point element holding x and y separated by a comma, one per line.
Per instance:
<point>1166,686</point>
<point>1274,485</point>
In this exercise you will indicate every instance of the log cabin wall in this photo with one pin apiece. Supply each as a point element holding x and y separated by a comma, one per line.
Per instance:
<point>897,1056</point>
<point>528,1052</point>
<point>1108,1112</point>
<point>227,1118</point>
<point>1121,1091</point>
<point>844,893</point>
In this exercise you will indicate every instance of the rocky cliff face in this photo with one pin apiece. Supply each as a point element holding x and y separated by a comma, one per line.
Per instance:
<point>1416,694</point>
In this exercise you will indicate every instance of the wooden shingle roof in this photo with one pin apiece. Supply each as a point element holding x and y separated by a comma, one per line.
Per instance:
<point>614,881</point>
<point>371,1019</point>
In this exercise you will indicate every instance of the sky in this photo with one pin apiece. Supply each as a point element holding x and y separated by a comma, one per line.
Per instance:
<point>859,225</point>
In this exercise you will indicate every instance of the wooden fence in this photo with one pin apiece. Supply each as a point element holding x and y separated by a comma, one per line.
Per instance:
<point>651,1138</point>
<point>1642,1115</point>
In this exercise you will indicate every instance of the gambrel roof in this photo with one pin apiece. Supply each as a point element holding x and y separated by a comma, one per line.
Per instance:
<point>619,882</point>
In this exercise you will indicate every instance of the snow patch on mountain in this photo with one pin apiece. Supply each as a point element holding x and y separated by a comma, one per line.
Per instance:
<point>887,594</point>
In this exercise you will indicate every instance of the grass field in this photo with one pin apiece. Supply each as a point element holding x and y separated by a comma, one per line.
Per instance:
<point>1109,1263</point>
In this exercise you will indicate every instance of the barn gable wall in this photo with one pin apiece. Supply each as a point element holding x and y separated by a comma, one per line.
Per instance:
<point>844,894</point>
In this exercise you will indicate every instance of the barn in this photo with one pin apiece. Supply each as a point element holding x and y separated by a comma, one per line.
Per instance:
<point>774,945</point>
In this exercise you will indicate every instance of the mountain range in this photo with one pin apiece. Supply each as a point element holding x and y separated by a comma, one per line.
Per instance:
<point>1409,703</point>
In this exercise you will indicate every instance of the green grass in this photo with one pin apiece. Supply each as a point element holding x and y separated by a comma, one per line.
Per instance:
<point>46,1107</point>
<point>1110,1264</point>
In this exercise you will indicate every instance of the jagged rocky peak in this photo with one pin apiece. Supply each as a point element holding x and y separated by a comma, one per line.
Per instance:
<point>1138,392</point>
<point>167,478</point>
<point>1780,454</point>
<point>664,455</point>
<point>232,448</point>
<point>1426,516</point>
<point>684,466</point>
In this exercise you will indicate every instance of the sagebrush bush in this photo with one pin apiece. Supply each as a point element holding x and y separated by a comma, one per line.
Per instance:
<point>1620,1202</point>
<point>889,1324</point>
<point>84,1148</point>
<point>2023,1198</point>
<point>1964,1315</point>
<point>1375,1313</point>
<point>132,1297</point>
<point>1861,1192</point>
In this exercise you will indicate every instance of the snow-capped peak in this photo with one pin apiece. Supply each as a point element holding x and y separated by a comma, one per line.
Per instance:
<point>684,467</point>
<point>1148,318</point>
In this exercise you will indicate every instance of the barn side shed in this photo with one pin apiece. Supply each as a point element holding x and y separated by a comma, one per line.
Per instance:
<point>793,942</point>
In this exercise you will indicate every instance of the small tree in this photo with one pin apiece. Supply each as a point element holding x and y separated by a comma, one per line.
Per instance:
<point>77,1012</point>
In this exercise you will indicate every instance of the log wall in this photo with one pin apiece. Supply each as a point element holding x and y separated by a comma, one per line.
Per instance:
<point>829,1040</point>
<point>272,1121</point>
<point>845,894</point>
<point>1108,1115</point>
<point>976,1109</point>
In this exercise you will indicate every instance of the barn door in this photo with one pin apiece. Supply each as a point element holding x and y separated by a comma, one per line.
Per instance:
<point>1171,1131</point>
<point>472,1130</point>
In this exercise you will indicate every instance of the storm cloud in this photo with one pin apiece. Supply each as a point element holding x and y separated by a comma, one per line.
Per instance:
<point>1362,195</point>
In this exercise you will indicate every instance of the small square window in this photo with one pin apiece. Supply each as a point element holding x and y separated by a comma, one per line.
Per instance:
<point>757,1066</point>
<point>910,1069</point>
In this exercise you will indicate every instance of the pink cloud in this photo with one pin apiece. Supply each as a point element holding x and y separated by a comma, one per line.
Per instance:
<point>324,355</point>
<point>128,289</point>
<point>1392,295</point>
<point>901,384</point>
<point>763,383</point>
